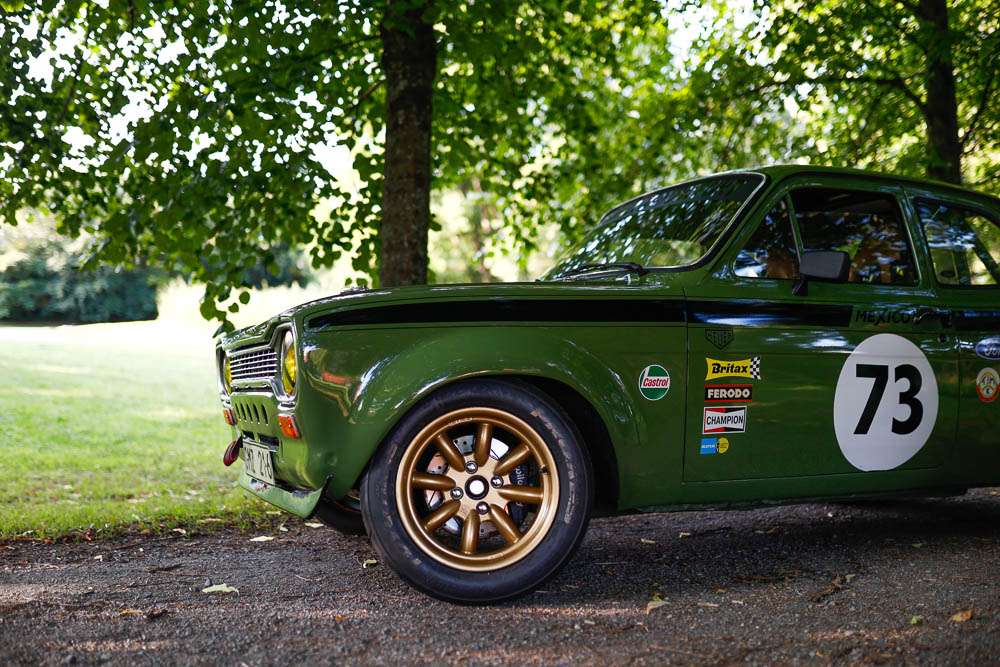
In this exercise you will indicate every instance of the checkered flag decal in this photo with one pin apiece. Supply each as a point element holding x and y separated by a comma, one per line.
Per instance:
<point>755,368</point>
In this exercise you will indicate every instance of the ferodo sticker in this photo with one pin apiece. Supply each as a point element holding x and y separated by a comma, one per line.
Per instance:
<point>989,348</point>
<point>714,445</point>
<point>744,368</point>
<point>725,393</point>
<point>728,419</point>
<point>987,383</point>
<point>654,382</point>
<point>886,403</point>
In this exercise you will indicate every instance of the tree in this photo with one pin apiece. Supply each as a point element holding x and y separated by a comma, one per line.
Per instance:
<point>199,130</point>
<point>908,87</point>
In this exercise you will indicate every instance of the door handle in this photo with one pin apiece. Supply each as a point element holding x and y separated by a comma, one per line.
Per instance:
<point>944,315</point>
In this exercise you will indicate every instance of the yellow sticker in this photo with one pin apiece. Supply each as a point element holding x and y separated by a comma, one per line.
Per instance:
<point>722,445</point>
<point>743,368</point>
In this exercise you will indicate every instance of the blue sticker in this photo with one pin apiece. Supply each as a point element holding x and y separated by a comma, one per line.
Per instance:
<point>989,348</point>
<point>714,445</point>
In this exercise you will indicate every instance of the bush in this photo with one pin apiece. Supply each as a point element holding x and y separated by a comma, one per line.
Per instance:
<point>44,284</point>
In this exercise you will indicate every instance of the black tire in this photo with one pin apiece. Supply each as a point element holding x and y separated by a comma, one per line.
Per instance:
<point>343,515</point>
<point>500,541</point>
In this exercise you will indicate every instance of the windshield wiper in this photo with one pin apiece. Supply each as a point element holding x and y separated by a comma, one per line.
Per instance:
<point>630,267</point>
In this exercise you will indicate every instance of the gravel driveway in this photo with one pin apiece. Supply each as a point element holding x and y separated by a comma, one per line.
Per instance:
<point>903,582</point>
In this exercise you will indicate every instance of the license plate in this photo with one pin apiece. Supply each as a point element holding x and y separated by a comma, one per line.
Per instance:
<point>257,460</point>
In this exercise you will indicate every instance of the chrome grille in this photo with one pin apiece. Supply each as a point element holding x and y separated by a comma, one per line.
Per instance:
<point>258,364</point>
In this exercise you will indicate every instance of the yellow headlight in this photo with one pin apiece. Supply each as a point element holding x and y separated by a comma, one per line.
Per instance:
<point>227,376</point>
<point>289,369</point>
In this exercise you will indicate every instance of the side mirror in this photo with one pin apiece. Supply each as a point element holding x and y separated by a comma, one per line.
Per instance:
<point>827,265</point>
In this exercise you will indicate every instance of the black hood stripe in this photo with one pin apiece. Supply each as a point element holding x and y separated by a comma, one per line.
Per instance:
<point>509,310</point>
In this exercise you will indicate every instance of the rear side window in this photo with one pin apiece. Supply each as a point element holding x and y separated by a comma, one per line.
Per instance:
<point>964,244</point>
<point>868,226</point>
<point>770,252</point>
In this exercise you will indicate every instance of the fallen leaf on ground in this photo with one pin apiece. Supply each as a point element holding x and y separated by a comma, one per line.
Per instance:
<point>221,588</point>
<point>645,541</point>
<point>282,528</point>
<point>657,601</point>
<point>917,545</point>
<point>916,620</point>
<point>210,520</point>
<point>368,562</point>
<point>962,616</point>
<point>771,531</point>
<point>314,525</point>
<point>684,535</point>
<point>707,604</point>
<point>99,557</point>
<point>180,530</point>
<point>272,512</point>
<point>262,538</point>
<point>129,612</point>
<point>848,577</point>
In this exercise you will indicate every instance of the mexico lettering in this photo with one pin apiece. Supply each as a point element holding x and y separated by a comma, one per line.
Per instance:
<point>880,317</point>
<point>724,393</point>
<point>728,419</point>
<point>744,368</point>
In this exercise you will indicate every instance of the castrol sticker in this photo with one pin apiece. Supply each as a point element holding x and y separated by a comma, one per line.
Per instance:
<point>886,403</point>
<point>654,382</point>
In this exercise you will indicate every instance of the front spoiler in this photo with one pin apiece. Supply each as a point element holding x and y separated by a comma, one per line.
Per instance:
<point>300,503</point>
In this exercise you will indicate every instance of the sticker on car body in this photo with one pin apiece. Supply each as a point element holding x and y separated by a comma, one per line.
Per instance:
<point>743,368</point>
<point>987,383</point>
<point>724,393</point>
<point>724,419</point>
<point>714,445</point>
<point>654,382</point>
<point>989,348</point>
<point>886,403</point>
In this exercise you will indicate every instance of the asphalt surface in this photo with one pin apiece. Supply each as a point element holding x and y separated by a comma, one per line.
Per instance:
<point>902,582</point>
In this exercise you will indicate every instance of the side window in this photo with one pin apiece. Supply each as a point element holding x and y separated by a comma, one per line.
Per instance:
<point>964,244</point>
<point>868,226</point>
<point>770,252</point>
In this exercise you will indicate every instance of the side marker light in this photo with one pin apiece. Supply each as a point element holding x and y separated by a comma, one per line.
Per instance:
<point>289,428</point>
<point>230,418</point>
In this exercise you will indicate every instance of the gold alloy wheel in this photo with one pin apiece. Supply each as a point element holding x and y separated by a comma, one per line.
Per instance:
<point>476,489</point>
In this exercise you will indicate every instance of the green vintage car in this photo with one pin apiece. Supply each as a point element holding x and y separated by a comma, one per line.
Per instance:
<point>780,334</point>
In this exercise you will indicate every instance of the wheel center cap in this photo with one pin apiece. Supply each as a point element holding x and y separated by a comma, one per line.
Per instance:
<point>477,487</point>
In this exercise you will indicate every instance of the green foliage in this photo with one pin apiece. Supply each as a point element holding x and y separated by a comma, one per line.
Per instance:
<point>45,284</point>
<point>201,131</point>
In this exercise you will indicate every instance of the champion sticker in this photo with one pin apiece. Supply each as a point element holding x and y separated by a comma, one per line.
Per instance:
<point>728,419</point>
<point>654,382</point>
<point>987,383</point>
<point>725,393</point>
<point>989,348</point>
<point>714,445</point>
<point>744,368</point>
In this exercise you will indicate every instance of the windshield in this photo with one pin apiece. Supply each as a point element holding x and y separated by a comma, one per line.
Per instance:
<point>676,226</point>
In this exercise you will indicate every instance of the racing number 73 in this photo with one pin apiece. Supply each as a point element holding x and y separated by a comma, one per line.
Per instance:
<point>880,374</point>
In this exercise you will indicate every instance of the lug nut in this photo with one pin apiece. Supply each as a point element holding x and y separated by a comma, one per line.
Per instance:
<point>496,482</point>
<point>456,493</point>
<point>471,467</point>
<point>483,508</point>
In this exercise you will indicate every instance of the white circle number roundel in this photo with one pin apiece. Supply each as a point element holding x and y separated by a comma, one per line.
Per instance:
<point>886,403</point>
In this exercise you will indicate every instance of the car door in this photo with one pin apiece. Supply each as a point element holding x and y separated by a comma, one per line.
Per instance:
<point>832,387</point>
<point>963,234</point>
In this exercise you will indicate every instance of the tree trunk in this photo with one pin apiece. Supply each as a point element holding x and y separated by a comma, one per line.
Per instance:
<point>941,106</point>
<point>409,60</point>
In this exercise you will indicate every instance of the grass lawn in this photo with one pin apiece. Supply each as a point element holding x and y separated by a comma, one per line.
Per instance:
<point>112,428</point>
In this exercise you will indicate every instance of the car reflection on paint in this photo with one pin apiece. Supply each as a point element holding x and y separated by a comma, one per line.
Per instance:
<point>780,334</point>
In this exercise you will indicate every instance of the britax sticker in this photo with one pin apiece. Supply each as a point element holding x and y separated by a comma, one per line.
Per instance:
<point>987,384</point>
<point>714,445</point>
<point>654,382</point>
<point>726,393</point>
<point>725,419</point>
<point>744,368</point>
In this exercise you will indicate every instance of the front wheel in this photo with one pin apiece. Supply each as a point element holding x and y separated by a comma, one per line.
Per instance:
<point>480,493</point>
